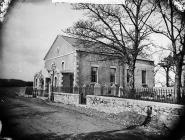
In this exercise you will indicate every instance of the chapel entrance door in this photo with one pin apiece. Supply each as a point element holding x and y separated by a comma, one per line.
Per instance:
<point>68,82</point>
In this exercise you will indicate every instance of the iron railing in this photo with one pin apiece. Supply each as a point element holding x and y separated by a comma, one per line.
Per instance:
<point>151,95</point>
<point>36,92</point>
<point>63,89</point>
<point>29,91</point>
<point>165,95</point>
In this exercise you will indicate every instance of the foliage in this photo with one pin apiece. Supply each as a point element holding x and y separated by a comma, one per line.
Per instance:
<point>168,64</point>
<point>116,31</point>
<point>172,26</point>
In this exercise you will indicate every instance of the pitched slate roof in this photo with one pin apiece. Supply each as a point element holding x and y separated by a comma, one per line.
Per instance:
<point>70,40</point>
<point>73,42</point>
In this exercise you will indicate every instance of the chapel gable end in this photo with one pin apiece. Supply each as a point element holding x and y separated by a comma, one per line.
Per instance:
<point>59,47</point>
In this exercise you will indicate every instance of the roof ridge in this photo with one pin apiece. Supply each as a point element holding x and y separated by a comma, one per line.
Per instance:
<point>68,38</point>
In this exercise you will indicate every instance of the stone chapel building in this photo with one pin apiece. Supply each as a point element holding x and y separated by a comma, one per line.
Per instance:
<point>75,66</point>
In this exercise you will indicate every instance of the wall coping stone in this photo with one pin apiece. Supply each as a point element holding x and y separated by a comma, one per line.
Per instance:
<point>113,86</point>
<point>97,85</point>
<point>61,93</point>
<point>141,101</point>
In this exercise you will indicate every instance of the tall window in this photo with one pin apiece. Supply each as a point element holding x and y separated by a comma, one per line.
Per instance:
<point>112,75</point>
<point>184,79</point>
<point>143,76</point>
<point>94,74</point>
<point>55,82</point>
<point>63,66</point>
<point>35,82</point>
<point>128,76</point>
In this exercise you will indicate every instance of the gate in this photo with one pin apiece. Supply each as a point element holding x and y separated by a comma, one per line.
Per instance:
<point>86,90</point>
<point>83,95</point>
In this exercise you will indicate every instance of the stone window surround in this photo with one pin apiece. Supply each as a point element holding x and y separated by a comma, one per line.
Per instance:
<point>114,67</point>
<point>97,66</point>
<point>142,76</point>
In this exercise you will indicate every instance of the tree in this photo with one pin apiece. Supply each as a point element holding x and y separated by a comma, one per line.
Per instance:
<point>167,64</point>
<point>119,31</point>
<point>172,26</point>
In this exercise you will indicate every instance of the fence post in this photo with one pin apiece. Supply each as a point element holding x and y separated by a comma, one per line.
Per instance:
<point>84,90</point>
<point>97,89</point>
<point>105,89</point>
<point>120,91</point>
<point>113,90</point>
<point>175,95</point>
<point>76,89</point>
<point>49,97</point>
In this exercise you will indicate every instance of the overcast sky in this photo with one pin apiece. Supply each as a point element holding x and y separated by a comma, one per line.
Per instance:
<point>30,30</point>
<point>28,34</point>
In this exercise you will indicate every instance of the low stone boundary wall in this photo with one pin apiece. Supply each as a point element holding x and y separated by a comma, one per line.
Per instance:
<point>162,111</point>
<point>66,98</point>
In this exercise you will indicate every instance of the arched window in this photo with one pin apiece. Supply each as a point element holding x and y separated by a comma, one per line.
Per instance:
<point>36,82</point>
<point>55,82</point>
<point>113,75</point>
<point>42,83</point>
<point>63,65</point>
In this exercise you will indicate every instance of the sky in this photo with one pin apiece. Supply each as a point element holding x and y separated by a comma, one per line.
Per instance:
<point>28,33</point>
<point>31,27</point>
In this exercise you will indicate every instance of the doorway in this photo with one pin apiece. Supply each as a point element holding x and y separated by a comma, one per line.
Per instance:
<point>67,82</point>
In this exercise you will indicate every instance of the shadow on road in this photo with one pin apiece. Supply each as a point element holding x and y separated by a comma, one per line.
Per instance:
<point>129,133</point>
<point>100,135</point>
<point>48,136</point>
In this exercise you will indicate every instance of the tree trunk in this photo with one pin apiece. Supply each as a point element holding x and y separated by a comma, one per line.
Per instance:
<point>178,79</point>
<point>131,76</point>
<point>167,77</point>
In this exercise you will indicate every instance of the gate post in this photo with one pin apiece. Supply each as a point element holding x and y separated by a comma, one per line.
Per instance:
<point>105,90</point>
<point>76,89</point>
<point>97,89</point>
<point>113,90</point>
<point>120,91</point>
<point>49,97</point>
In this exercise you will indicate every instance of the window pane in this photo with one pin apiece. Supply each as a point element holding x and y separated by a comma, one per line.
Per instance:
<point>55,82</point>
<point>62,65</point>
<point>94,71</point>
<point>128,76</point>
<point>143,76</point>
<point>112,75</point>
<point>113,70</point>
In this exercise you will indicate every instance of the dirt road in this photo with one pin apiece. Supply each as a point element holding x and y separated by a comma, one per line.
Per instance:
<point>30,118</point>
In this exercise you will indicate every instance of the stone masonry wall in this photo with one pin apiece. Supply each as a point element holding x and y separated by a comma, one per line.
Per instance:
<point>91,60</point>
<point>167,113</point>
<point>66,98</point>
